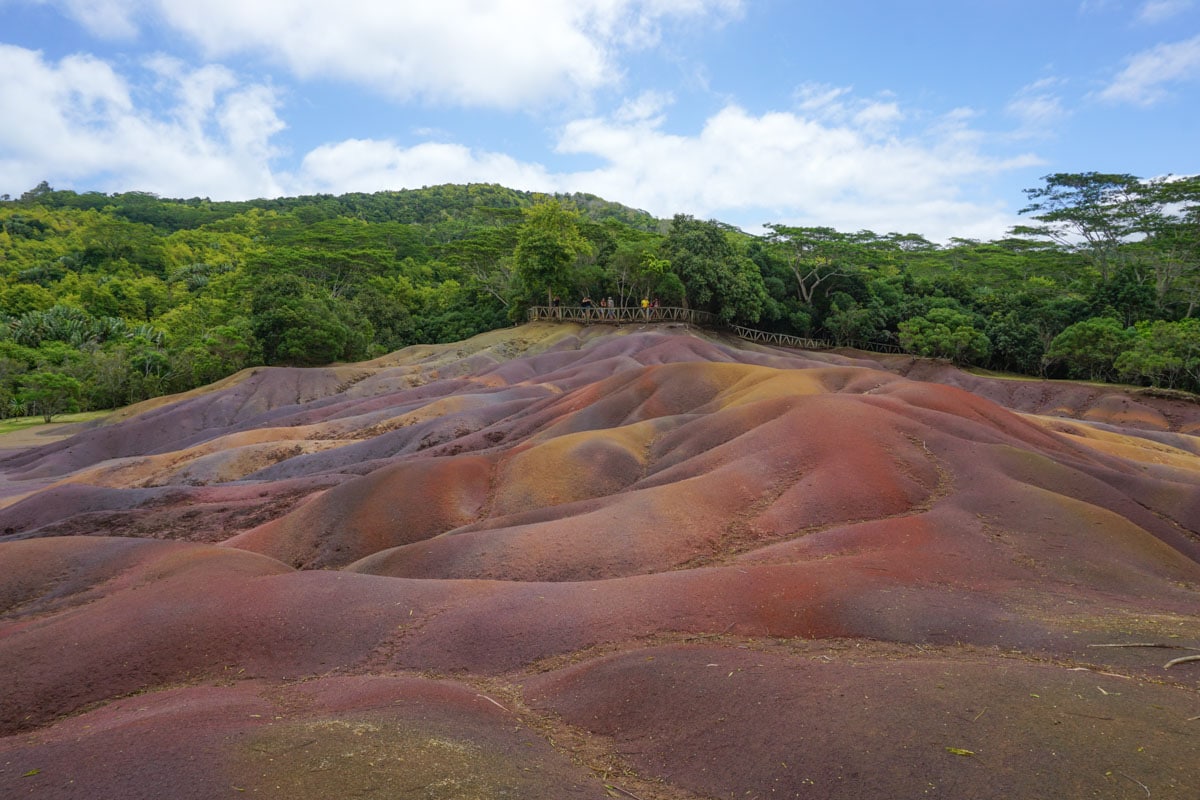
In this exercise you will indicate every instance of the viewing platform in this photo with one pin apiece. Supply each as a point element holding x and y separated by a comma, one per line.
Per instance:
<point>625,316</point>
<point>595,315</point>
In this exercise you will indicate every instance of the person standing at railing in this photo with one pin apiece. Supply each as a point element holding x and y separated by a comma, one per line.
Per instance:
<point>646,307</point>
<point>586,304</point>
<point>610,313</point>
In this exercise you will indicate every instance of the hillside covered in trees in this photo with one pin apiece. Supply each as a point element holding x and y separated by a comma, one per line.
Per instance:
<point>110,299</point>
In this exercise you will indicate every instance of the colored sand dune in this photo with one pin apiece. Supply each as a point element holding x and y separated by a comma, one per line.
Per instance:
<point>559,561</point>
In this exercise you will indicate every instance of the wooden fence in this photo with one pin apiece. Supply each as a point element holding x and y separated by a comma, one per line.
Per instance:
<point>687,316</point>
<point>803,343</point>
<point>620,316</point>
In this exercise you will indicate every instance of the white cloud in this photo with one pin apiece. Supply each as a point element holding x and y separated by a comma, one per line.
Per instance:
<point>490,53</point>
<point>843,164</point>
<point>1154,11</point>
<point>878,119</point>
<point>803,170</point>
<point>365,165</point>
<point>1038,108</point>
<point>822,99</point>
<point>648,107</point>
<point>109,19</point>
<point>742,168</point>
<point>77,120</point>
<point>836,105</point>
<point>1143,80</point>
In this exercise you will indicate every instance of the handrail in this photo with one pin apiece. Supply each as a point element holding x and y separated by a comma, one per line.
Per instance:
<point>618,315</point>
<point>805,343</point>
<point>595,315</point>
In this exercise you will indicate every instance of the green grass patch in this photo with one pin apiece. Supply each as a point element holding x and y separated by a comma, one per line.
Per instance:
<point>20,423</point>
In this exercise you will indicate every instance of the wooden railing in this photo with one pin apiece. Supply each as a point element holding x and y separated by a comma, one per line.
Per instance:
<point>803,343</point>
<point>688,316</point>
<point>619,316</point>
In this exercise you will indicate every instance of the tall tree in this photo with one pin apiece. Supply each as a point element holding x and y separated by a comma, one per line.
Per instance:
<point>1172,244</point>
<point>716,276</point>
<point>1089,349</point>
<point>1093,211</point>
<point>48,394</point>
<point>815,255</point>
<point>297,325</point>
<point>486,259</point>
<point>548,245</point>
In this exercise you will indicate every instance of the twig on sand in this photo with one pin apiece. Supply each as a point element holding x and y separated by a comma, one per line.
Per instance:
<point>493,702</point>
<point>1147,644</point>
<point>1180,660</point>
<point>1164,645</point>
<point>1139,783</point>
<point>622,791</point>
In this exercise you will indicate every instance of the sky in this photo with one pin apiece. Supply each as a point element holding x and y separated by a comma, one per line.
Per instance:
<point>923,116</point>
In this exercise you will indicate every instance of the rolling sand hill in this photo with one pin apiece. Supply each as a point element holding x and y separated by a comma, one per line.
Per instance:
<point>647,562</point>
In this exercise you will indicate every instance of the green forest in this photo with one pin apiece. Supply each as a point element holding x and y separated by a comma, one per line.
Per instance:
<point>109,299</point>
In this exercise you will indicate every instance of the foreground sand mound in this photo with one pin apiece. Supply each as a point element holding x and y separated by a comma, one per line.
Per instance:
<point>562,561</point>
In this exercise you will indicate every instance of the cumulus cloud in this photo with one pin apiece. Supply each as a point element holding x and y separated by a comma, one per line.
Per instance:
<point>77,119</point>
<point>801,169</point>
<point>475,53</point>
<point>365,165</point>
<point>739,167</point>
<point>833,160</point>
<point>1145,78</point>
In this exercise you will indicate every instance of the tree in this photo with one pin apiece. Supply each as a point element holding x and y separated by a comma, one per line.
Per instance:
<point>220,351</point>
<point>1164,354</point>
<point>945,333</point>
<point>48,394</point>
<point>149,362</point>
<point>1016,343</point>
<point>815,255</point>
<point>114,244</point>
<point>548,244</point>
<point>25,297</point>
<point>295,325</point>
<point>1124,295</point>
<point>1101,210</point>
<point>1089,349</point>
<point>1172,244</point>
<point>850,322</point>
<point>486,258</point>
<point>636,270</point>
<point>716,277</point>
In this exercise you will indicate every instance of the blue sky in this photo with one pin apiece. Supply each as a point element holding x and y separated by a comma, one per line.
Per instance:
<point>922,116</point>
